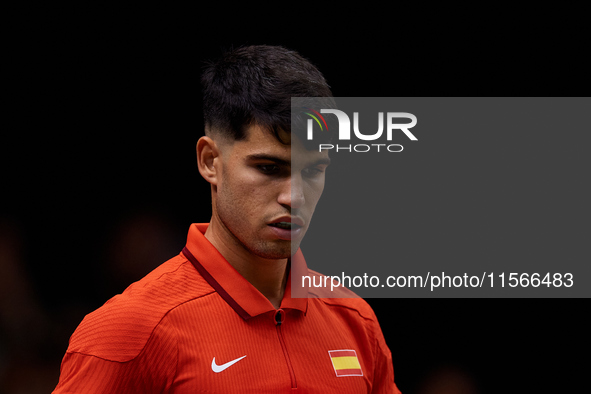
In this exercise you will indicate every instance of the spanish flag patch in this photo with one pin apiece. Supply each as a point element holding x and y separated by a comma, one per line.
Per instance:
<point>345,363</point>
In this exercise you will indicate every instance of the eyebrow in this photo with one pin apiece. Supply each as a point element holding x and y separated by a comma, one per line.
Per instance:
<point>278,160</point>
<point>324,160</point>
<point>262,156</point>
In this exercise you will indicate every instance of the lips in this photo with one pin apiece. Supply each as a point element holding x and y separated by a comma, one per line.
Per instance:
<point>287,223</point>
<point>287,228</point>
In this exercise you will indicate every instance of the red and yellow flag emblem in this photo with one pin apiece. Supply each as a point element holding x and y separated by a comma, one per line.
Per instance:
<point>345,362</point>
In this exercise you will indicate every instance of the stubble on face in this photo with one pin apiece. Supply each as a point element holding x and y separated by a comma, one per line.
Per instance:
<point>249,197</point>
<point>243,228</point>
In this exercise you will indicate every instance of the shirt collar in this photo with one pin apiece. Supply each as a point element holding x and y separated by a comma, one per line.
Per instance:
<point>242,296</point>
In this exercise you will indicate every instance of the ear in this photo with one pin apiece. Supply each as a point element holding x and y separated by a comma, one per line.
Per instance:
<point>208,159</point>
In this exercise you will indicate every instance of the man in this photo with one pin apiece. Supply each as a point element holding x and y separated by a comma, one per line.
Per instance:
<point>220,316</point>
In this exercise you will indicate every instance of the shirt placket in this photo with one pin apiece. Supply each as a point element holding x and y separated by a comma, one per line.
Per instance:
<point>279,319</point>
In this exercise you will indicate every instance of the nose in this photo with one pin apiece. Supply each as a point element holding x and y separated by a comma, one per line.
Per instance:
<point>292,192</point>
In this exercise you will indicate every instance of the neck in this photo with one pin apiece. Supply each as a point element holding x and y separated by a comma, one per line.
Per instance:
<point>269,276</point>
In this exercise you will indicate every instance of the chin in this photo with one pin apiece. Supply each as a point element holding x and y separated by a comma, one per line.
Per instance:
<point>276,255</point>
<point>275,252</point>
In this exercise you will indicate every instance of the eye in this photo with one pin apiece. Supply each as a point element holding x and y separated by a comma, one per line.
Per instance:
<point>313,171</point>
<point>268,169</point>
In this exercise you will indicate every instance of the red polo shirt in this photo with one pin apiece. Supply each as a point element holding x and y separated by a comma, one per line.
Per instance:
<point>194,324</point>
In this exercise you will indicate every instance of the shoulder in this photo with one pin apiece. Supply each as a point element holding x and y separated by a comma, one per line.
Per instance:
<point>351,316</point>
<point>119,330</point>
<point>337,297</point>
<point>356,308</point>
<point>345,311</point>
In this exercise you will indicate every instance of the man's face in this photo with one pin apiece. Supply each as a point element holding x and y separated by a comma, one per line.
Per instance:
<point>265,199</point>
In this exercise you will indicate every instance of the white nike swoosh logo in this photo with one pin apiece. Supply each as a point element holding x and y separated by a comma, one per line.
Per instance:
<point>219,368</point>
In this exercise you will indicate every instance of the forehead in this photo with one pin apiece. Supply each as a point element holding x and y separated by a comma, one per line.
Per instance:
<point>260,142</point>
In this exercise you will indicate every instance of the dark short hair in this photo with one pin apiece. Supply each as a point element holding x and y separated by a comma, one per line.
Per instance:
<point>254,85</point>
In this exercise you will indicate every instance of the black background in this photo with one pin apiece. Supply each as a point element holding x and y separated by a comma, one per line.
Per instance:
<point>103,114</point>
